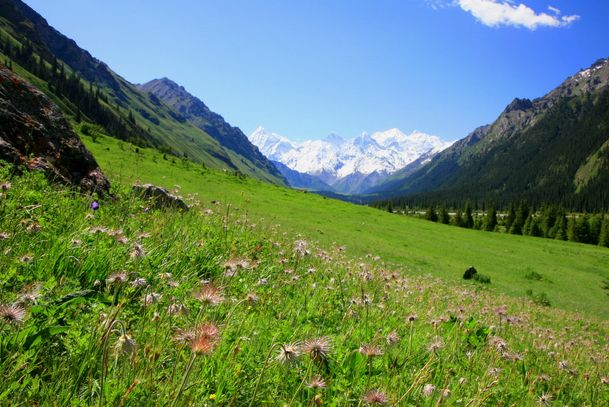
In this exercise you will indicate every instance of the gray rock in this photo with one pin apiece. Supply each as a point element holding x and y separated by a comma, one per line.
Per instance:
<point>160,197</point>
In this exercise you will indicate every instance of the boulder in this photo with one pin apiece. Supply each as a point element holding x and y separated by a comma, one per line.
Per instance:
<point>470,273</point>
<point>35,133</point>
<point>160,197</point>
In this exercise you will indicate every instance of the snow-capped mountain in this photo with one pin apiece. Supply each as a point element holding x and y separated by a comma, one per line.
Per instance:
<point>349,166</point>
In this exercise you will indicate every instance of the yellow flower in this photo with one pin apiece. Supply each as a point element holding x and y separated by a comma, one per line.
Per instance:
<point>212,396</point>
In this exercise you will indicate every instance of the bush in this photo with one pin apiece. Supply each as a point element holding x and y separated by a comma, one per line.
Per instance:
<point>481,278</point>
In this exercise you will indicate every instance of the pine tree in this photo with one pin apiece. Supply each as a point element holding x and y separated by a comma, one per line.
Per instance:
<point>491,219</point>
<point>511,216</point>
<point>468,221</point>
<point>535,228</point>
<point>526,228</point>
<point>431,214</point>
<point>596,223</point>
<point>603,237</point>
<point>560,227</point>
<point>458,218</point>
<point>444,216</point>
<point>521,217</point>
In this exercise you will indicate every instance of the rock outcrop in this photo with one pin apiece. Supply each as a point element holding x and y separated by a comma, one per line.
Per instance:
<point>160,197</point>
<point>35,133</point>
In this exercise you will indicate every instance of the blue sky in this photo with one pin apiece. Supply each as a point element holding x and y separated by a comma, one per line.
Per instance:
<point>306,68</point>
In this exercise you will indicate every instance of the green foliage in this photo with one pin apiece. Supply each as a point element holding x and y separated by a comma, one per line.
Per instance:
<point>481,278</point>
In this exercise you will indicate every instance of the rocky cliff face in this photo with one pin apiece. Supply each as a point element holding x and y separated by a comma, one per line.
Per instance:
<point>34,132</point>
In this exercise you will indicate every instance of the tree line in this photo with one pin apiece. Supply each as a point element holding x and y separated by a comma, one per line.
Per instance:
<point>548,221</point>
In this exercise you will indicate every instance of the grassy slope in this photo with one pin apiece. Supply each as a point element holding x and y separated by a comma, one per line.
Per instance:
<point>93,335</point>
<point>573,273</point>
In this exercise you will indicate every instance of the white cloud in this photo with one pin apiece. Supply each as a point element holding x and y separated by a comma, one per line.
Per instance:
<point>494,13</point>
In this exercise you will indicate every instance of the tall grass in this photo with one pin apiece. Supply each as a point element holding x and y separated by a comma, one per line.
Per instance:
<point>132,306</point>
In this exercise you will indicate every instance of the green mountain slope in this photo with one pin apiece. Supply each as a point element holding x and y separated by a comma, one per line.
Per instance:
<point>197,113</point>
<point>551,149</point>
<point>88,90</point>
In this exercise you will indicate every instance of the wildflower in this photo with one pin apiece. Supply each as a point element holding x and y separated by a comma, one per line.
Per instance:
<point>137,252</point>
<point>411,318</point>
<point>76,242</point>
<point>139,283</point>
<point>94,205</point>
<point>152,298</point>
<point>156,317</point>
<point>177,308</point>
<point>26,258</point>
<point>375,397</point>
<point>251,298</point>
<point>494,371</point>
<point>317,349</point>
<point>428,389</point>
<point>393,338</point>
<point>122,239</point>
<point>370,350</point>
<point>605,380</point>
<point>30,296</point>
<point>205,339</point>
<point>4,235</point>
<point>543,378</point>
<point>316,382</point>
<point>209,294</point>
<point>11,314</point>
<point>545,399</point>
<point>119,277</point>
<point>300,248</point>
<point>445,393</point>
<point>288,353</point>
<point>462,381</point>
<point>5,186</point>
<point>165,276</point>
<point>563,365</point>
<point>435,345</point>
<point>125,345</point>
<point>498,343</point>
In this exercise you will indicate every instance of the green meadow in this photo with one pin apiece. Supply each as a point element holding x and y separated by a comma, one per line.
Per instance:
<point>129,305</point>
<point>571,276</point>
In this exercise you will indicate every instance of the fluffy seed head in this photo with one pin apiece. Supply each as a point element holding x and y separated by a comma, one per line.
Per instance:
<point>119,277</point>
<point>370,350</point>
<point>288,353</point>
<point>316,382</point>
<point>205,339</point>
<point>125,345</point>
<point>209,294</point>
<point>428,389</point>
<point>317,348</point>
<point>11,314</point>
<point>375,397</point>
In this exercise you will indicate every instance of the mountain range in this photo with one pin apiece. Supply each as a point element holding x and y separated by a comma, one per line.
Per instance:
<point>346,166</point>
<point>159,114</point>
<point>553,149</point>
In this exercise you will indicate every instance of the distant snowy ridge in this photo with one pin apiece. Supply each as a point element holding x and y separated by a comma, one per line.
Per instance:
<point>333,158</point>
